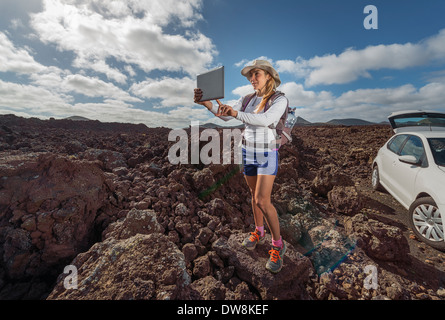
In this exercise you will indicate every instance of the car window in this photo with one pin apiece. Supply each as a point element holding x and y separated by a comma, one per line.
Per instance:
<point>396,142</point>
<point>419,119</point>
<point>413,147</point>
<point>438,149</point>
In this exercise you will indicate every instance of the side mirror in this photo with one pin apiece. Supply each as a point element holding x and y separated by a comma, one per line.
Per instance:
<point>410,160</point>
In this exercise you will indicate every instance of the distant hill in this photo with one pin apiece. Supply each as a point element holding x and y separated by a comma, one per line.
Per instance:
<point>11,120</point>
<point>339,122</point>
<point>77,118</point>
<point>210,126</point>
<point>349,122</point>
<point>301,121</point>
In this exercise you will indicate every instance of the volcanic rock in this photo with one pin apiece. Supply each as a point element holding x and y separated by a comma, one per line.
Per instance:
<point>290,228</point>
<point>201,266</point>
<point>136,221</point>
<point>328,177</point>
<point>207,288</point>
<point>345,199</point>
<point>177,228</point>
<point>250,267</point>
<point>140,267</point>
<point>109,159</point>
<point>378,240</point>
<point>49,205</point>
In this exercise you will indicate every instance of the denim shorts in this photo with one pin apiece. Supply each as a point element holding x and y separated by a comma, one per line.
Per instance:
<point>260,162</point>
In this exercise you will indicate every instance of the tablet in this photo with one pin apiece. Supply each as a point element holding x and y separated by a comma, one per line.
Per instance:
<point>212,84</point>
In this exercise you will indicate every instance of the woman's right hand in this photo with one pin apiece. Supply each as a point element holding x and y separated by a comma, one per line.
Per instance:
<point>197,98</point>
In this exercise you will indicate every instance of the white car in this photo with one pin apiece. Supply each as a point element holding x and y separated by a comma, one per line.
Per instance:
<point>411,167</point>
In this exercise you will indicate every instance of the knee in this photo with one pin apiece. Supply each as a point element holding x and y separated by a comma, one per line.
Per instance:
<point>261,202</point>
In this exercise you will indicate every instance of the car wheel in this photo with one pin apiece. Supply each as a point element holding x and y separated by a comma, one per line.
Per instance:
<point>375,179</point>
<point>426,221</point>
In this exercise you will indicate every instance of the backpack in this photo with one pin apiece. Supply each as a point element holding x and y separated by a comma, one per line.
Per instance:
<point>283,131</point>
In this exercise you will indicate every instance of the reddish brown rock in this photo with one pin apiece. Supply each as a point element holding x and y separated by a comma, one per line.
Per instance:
<point>136,221</point>
<point>201,266</point>
<point>328,177</point>
<point>195,207</point>
<point>190,252</point>
<point>109,159</point>
<point>249,266</point>
<point>58,200</point>
<point>345,200</point>
<point>139,267</point>
<point>207,288</point>
<point>378,240</point>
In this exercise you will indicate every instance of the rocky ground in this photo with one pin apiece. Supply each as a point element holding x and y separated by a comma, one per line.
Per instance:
<point>105,199</point>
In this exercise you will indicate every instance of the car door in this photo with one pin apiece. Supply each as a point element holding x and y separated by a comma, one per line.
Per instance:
<point>404,174</point>
<point>388,157</point>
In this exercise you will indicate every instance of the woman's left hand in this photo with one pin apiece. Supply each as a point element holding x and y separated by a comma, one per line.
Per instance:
<point>225,110</point>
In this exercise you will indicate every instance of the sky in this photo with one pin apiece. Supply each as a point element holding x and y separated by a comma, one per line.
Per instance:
<point>136,61</point>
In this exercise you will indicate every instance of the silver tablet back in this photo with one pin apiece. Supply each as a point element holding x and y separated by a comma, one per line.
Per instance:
<point>212,84</point>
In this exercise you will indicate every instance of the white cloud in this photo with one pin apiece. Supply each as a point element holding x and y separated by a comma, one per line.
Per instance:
<point>112,42</point>
<point>51,78</point>
<point>298,96</point>
<point>155,11</point>
<point>131,34</point>
<point>436,76</point>
<point>376,104</point>
<point>94,87</point>
<point>243,91</point>
<point>300,67</point>
<point>246,62</point>
<point>130,70</point>
<point>16,24</point>
<point>63,81</point>
<point>171,91</point>
<point>16,60</point>
<point>368,104</point>
<point>353,64</point>
<point>35,100</point>
<point>113,39</point>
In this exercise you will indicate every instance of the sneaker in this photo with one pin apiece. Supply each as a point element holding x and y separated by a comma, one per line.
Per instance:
<point>255,238</point>
<point>275,262</point>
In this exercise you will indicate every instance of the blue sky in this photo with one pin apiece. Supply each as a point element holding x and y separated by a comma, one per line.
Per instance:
<point>136,61</point>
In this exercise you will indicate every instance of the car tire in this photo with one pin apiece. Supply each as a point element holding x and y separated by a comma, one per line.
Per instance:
<point>426,221</point>
<point>375,179</point>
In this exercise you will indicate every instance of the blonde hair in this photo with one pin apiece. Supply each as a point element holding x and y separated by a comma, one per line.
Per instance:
<point>270,90</point>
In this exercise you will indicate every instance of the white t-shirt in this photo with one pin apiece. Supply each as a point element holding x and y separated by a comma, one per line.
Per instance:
<point>257,124</point>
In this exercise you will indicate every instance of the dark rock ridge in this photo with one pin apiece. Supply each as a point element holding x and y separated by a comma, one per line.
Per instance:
<point>105,200</point>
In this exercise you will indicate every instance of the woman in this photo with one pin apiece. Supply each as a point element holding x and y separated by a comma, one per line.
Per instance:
<point>260,157</point>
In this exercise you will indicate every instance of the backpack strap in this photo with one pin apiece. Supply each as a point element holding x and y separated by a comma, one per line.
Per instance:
<point>270,102</point>
<point>246,101</point>
<point>272,99</point>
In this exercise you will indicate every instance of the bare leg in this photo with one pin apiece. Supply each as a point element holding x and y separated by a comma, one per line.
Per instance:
<point>257,213</point>
<point>263,192</point>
